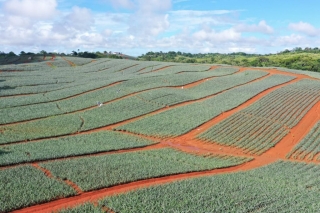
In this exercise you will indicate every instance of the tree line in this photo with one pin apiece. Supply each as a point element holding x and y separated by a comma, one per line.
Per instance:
<point>297,58</point>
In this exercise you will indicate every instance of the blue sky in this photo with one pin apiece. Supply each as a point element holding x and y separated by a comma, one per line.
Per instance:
<point>138,26</point>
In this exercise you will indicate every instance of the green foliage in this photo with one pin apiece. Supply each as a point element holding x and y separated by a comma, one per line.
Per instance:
<point>24,186</point>
<point>280,187</point>
<point>182,119</point>
<point>298,58</point>
<point>103,171</point>
<point>264,123</point>
<point>47,127</point>
<point>86,207</point>
<point>69,146</point>
<point>309,146</point>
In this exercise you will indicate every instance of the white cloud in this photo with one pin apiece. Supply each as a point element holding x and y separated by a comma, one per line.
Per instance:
<point>36,9</point>
<point>262,27</point>
<point>149,19</point>
<point>290,40</point>
<point>229,35</point>
<point>153,26</point>
<point>79,19</point>
<point>128,4</point>
<point>304,28</point>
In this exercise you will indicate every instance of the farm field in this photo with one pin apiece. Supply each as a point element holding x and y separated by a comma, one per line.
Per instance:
<point>111,135</point>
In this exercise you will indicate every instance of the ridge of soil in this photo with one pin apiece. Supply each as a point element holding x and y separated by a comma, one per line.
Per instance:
<point>114,125</point>
<point>116,99</point>
<point>49,175</point>
<point>135,149</point>
<point>187,142</point>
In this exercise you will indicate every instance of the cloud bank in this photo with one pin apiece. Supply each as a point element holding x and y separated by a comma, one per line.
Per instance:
<point>134,27</point>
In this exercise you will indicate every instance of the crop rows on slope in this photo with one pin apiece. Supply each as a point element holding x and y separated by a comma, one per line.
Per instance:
<point>25,186</point>
<point>279,187</point>
<point>86,207</point>
<point>263,124</point>
<point>8,115</point>
<point>71,123</point>
<point>75,76</point>
<point>91,173</point>
<point>179,68</point>
<point>128,87</point>
<point>182,119</point>
<point>309,147</point>
<point>69,146</point>
<point>60,62</point>
<point>48,127</point>
<point>79,61</point>
<point>76,81</point>
<point>171,96</point>
<point>301,72</point>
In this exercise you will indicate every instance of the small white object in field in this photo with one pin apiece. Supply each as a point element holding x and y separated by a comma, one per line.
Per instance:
<point>99,104</point>
<point>181,87</point>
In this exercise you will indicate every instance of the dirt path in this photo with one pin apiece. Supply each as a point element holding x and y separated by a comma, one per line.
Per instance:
<point>271,156</point>
<point>156,70</point>
<point>99,194</point>
<point>69,62</point>
<point>135,149</point>
<point>187,142</point>
<point>49,175</point>
<point>112,126</point>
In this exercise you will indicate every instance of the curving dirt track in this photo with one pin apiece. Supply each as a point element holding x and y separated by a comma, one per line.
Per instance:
<point>188,143</point>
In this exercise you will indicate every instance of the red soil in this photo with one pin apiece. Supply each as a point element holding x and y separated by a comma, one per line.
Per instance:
<point>35,163</point>
<point>297,133</point>
<point>49,175</point>
<point>69,62</point>
<point>49,64</point>
<point>156,70</point>
<point>187,142</point>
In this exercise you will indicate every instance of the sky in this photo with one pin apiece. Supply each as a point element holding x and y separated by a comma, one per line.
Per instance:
<point>135,27</point>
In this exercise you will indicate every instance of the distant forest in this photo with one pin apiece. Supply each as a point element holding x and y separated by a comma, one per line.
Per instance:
<point>297,58</point>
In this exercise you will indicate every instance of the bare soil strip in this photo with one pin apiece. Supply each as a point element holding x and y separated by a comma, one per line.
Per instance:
<point>69,62</point>
<point>271,156</point>
<point>49,174</point>
<point>34,163</point>
<point>187,141</point>
<point>99,194</point>
<point>112,126</point>
<point>155,70</point>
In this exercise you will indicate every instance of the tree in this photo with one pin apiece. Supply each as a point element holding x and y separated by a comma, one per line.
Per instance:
<point>11,54</point>
<point>42,52</point>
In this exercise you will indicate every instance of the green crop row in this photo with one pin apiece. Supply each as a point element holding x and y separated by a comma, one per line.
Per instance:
<point>253,134</point>
<point>182,119</point>
<point>90,99</point>
<point>64,79</point>
<point>301,72</point>
<point>24,186</point>
<point>309,146</point>
<point>262,125</point>
<point>69,146</point>
<point>79,61</point>
<point>86,207</point>
<point>97,172</point>
<point>171,96</point>
<point>279,187</point>
<point>47,127</point>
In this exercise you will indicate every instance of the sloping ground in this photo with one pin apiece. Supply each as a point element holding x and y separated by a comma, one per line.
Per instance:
<point>187,102</point>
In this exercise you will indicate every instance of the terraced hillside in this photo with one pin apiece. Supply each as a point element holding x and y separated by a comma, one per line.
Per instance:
<point>107,135</point>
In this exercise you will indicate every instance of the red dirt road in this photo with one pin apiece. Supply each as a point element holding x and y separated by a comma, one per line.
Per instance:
<point>188,143</point>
